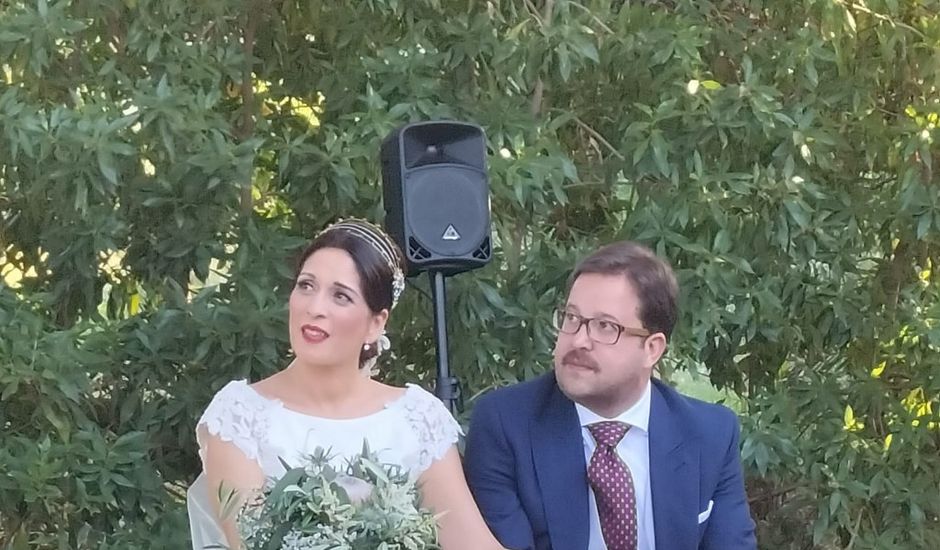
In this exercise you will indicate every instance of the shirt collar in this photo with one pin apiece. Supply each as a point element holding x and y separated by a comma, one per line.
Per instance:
<point>637,416</point>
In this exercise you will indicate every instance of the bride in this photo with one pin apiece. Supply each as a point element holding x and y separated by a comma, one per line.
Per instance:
<point>348,280</point>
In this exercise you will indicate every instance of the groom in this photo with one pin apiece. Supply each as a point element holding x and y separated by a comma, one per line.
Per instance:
<point>598,454</point>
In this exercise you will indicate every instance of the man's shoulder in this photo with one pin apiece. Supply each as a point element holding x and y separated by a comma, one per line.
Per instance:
<point>695,412</point>
<point>521,395</point>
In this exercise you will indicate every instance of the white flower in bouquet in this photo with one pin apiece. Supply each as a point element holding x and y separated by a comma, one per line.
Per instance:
<point>365,506</point>
<point>357,489</point>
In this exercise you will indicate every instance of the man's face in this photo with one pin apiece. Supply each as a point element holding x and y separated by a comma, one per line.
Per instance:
<point>606,378</point>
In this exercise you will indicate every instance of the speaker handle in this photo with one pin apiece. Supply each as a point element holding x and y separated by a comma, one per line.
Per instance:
<point>446,387</point>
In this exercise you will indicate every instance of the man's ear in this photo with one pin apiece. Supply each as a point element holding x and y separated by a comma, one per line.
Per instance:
<point>655,347</point>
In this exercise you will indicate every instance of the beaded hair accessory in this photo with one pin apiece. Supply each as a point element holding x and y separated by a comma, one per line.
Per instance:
<point>382,243</point>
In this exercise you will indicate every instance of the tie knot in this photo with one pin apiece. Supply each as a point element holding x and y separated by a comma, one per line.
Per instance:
<point>608,433</point>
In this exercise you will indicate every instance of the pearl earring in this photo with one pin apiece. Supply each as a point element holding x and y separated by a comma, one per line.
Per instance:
<point>366,347</point>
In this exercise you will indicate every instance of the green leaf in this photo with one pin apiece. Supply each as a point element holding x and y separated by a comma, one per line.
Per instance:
<point>399,110</point>
<point>811,74</point>
<point>9,390</point>
<point>569,170</point>
<point>835,501</point>
<point>492,296</point>
<point>163,87</point>
<point>722,242</point>
<point>152,50</point>
<point>11,36</point>
<point>797,213</point>
<point>60,424</point>
<point>585,48</point>
<point>660,152</point>
<point>154,202</point>
<point>107,69</point>
<point>564,61</point>
<point>122,480</point>
<point>923,225</point>
<point>640,151</point>
<point>662,54</point>
<point>106,165</point>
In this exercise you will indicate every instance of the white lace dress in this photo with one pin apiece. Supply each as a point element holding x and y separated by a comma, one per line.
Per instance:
<point>412,431</point>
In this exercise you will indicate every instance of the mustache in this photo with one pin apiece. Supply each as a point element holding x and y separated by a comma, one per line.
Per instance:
<point>580,358</point>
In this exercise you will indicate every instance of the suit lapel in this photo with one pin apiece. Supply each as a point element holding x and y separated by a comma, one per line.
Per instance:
<point>558,454</point>
<point>674,477</point>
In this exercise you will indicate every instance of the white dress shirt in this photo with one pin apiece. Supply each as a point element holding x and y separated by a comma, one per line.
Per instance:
<point>634,450</point>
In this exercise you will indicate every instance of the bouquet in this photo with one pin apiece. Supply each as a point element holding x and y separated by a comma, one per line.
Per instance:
<point>365,506</point>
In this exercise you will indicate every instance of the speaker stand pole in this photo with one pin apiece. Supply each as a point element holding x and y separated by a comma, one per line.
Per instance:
<point>446,386</point>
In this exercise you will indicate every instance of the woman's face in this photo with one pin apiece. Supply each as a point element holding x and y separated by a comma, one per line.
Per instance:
<point>329,318</point>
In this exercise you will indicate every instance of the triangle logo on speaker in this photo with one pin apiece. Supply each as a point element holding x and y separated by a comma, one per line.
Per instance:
<point>450,234</point>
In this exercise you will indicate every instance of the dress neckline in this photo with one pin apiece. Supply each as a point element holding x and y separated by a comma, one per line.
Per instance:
<point>409,389</point>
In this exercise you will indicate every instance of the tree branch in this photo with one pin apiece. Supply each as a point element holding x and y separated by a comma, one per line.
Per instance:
<point>538,92</point>
<point>533,11</point>
<point>881,17</point>
<point>597,135</point>
<point>596,19</point>
<point>779,492</point>
<point>246,123</point>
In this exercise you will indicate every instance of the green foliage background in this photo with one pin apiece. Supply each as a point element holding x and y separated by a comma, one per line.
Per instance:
<point>162,160</point>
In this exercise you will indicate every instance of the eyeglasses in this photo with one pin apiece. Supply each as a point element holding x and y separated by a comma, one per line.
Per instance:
<point>601,331</point>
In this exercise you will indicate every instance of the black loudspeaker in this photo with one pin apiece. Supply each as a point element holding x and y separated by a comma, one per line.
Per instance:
<point>437,201</point>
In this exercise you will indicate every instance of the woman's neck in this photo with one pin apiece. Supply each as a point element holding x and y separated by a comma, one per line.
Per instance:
<point>330,390</point>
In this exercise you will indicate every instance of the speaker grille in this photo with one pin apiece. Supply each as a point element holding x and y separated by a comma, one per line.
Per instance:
<point>416,251</point>
<point>448,210</point>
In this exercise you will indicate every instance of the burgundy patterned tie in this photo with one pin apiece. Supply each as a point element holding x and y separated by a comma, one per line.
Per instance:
<point>613,487</point>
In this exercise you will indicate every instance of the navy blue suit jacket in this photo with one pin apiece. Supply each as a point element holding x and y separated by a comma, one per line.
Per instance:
<point>525,464</point>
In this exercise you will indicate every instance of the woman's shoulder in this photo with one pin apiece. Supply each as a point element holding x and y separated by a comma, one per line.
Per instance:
<point>412,391</point>
<point>235,392</point>
<point>239,415</point>
<point>429,418</point>
<point>413,397</point>
<point>235,406</point>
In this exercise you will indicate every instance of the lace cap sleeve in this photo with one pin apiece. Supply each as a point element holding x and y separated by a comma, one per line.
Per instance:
<point>236,414</point>
<point>436,428</point>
